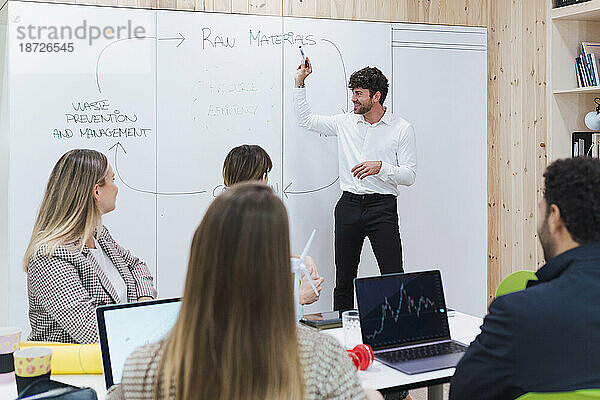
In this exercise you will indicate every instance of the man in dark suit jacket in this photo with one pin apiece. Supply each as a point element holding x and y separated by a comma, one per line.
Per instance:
<point>546,338</point>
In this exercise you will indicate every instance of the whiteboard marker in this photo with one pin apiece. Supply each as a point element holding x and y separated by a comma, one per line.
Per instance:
<point>303,56</point>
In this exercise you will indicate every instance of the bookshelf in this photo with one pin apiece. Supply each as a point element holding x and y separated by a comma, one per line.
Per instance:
<point>567,104</point>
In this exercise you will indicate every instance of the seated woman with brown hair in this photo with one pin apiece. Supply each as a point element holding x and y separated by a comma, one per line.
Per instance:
<point>236,335</point>
<point>72,262</point>
<point>250,162</point>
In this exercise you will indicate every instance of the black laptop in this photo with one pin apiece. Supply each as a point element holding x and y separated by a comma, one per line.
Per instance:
<point>403,317</point>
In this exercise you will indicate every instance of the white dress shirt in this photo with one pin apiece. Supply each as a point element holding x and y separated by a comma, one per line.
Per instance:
<point>111,271</point>
<point>391,141</point>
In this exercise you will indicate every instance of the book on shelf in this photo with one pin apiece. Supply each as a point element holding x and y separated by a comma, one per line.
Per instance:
<point>578,73</point>
<point>587,65</point>
<point>586,144</point>
<point>563,3</point>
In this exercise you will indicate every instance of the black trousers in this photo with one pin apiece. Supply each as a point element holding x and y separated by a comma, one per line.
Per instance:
<point>358,216</point>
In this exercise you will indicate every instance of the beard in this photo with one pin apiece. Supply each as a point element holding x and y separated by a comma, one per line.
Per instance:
<point>363,108</point>
<point>546,240</point>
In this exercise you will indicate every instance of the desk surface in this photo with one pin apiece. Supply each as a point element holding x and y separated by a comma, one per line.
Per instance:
<point>463,328</point>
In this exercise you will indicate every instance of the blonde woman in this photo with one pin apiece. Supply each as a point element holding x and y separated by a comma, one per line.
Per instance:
<point>236,336</point>
<point>73,265</point>
<point>250,162</point>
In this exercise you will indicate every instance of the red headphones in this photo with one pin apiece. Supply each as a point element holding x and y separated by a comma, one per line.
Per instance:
<point>362,356</point>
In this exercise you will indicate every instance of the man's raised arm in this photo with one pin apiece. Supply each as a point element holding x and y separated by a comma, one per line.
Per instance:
<point>323,124</point>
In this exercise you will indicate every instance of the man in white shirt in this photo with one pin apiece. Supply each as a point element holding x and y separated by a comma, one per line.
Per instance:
<point>377,153</point>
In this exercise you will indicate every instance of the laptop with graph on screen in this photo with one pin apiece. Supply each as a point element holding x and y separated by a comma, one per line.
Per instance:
<point>404,318</point>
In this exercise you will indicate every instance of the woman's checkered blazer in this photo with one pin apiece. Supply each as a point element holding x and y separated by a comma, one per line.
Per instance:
<point>65,289</point>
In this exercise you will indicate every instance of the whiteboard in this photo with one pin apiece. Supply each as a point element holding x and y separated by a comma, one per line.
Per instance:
<point>196,86</point>
<point>46,91</point>
<point>217,90</point>
<point>440,86</point>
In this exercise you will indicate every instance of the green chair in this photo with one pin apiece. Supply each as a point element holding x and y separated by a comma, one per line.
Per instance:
<point>587,394</point>
<point>515,282</point>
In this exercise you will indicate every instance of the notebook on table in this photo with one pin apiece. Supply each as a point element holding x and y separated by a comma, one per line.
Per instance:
<point>124,327</point>
<point>404,318</point>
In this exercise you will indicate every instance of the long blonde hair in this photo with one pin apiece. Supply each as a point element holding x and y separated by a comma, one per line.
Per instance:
<point>235,337</point>
<point>69,212</point>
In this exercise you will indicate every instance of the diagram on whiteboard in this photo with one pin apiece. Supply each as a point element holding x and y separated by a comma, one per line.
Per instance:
<point>220,103</point>
<point>166,108</point>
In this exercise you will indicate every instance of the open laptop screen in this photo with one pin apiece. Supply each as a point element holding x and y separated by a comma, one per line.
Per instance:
<point>124,327</point>
<point>402,309</point>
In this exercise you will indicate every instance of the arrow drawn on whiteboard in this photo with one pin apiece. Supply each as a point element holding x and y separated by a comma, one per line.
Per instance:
<point>343,66</point>
<point>118,145</point>
<point>181,38</point>
<point>286,191</point>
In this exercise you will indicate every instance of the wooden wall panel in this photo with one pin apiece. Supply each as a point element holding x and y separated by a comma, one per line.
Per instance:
<point>528,137</point>
<point>323,9</point>
<point>188,5</point>
<point>147,3</point>
<point>296,8</point>
<point>240,6</point>
<point>341,9</point>
<point>493,135</point>
<point>264,7</point>
<point>476,11</point>
<point>399,11</point>
<point>372,10</point>
<point>503,14</point>
<point>516,134</point>
<point>516,98</point>
<point>128,3</point>
<point>222,6</point>
<point>541,119</point>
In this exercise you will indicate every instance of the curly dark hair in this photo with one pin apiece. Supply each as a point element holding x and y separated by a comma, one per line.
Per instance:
<point>370,78</point>
<point>573,185</point>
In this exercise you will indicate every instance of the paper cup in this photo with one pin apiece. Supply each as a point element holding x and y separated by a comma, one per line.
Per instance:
<point>9,343</point>
<point>10,337</point>
<point>32,364</point>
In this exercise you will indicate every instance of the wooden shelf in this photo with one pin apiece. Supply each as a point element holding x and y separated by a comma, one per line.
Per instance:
<point>582,90</point>
<point>588,11</point>
<point>568,104</point>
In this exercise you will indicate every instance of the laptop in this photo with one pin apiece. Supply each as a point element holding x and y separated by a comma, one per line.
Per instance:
<point>404,318</point>
<point>124,327</point>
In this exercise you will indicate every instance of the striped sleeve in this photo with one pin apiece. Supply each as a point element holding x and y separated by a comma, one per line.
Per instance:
<point>328,371</point>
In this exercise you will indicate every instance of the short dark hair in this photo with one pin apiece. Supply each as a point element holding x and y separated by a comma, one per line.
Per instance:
<point>573,185</point>
<point>248,162</point>
<point>370,78</point>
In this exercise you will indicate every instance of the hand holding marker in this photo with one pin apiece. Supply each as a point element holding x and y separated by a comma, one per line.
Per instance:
<point>304,69</point>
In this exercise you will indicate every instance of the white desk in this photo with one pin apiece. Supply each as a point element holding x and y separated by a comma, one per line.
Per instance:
<point>463,328</point>
<point>96,382</point>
